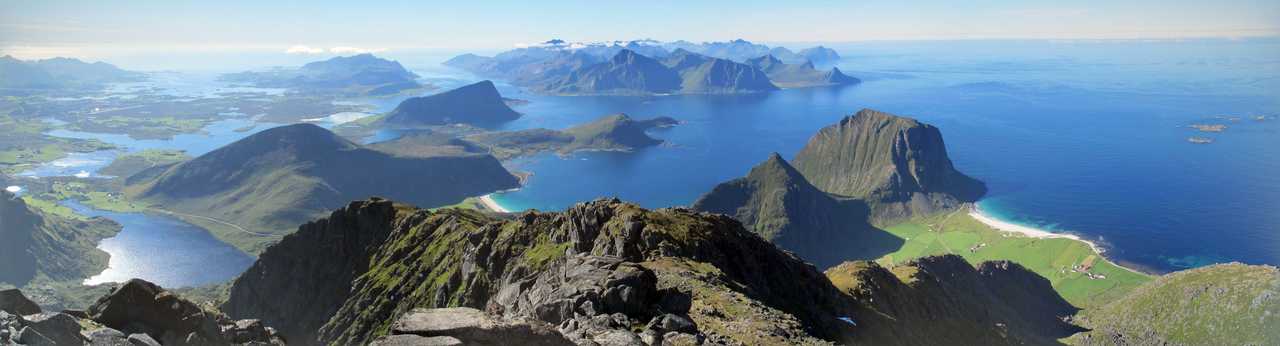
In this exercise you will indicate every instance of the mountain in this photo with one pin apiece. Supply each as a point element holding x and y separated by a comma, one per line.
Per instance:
<point>273,180</point>
<point>777,203</point>
<point>820,55</point>
<point>60,73</point>
<point>799,75</point>
<point>35,244</point>
<point>897,164</point>
<point>476,104</point>
<point>363,74</point>
<point>1222,304</point>
<point>613,273</point>
<point>707,75</point>
<point>932,299</point>
<point>617,132</point>
<point>627,72</point>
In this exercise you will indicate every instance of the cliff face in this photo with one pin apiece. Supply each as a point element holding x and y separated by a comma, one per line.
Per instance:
<point>476,104</point>
<point>898,165</point>
<point>274,180</point>
<point>34,244</point>
<point>593,271</point>
<point>777,203</point>
<point>945,298</point>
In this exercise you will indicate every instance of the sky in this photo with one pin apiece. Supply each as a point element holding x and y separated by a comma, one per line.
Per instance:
<point>102,29</point>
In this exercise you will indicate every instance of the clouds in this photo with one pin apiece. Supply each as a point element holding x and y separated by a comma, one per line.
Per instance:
<point>304,49</point>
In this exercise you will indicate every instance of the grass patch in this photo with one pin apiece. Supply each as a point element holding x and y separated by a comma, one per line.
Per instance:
<point>958,233</point>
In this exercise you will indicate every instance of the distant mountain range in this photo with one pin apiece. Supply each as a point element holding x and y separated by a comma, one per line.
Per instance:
<point>475,104</point>
<point>273,180</point>
<point>362,74</point>
<point>17,76</point>
<point>650,67</point>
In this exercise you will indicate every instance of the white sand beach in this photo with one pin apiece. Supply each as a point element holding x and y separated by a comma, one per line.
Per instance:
<point>489,203</point>
<point>977,214</point>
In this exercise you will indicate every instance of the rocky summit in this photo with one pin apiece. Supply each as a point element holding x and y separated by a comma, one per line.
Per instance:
<point>136,313</point>
<point>897,164</point>
<point>611,273</point>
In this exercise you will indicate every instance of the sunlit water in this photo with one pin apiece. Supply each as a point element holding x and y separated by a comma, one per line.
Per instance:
<point>1088,138</point>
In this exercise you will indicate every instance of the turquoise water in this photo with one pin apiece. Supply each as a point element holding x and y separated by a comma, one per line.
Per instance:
<point>1084,137</point>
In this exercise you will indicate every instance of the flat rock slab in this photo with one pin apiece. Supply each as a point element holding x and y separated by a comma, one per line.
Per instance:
<point>12,301</point>
<point>415,340</point>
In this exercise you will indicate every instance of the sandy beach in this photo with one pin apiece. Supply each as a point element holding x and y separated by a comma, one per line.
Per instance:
<point>490,204</point>
<point>977,214</point>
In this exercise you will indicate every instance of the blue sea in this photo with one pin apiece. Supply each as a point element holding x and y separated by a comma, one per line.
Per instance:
<point>1085,137</point>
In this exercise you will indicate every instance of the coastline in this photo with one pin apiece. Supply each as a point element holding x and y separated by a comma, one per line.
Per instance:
<point>1004,226</point>
<point>491,204</point>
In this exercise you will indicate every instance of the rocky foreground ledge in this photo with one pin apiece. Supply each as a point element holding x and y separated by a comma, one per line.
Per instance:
<point>136,313</point>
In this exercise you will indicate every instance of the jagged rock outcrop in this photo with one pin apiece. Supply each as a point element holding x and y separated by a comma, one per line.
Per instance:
<point>141,307</point>
<point>945,298</point>
<point>136,313</point>
<point>593,271</point>
<point>33,243</point>
<point>476,104</point>
<point>897,164</point>
<point>775,201</point>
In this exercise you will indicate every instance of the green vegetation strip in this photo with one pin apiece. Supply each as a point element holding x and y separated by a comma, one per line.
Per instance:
<point>1059,260</point>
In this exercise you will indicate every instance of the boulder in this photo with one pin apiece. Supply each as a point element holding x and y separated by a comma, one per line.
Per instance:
<point>106,337</point>
<point>139,304</point>
<point>12,301</point>
<point>474,327</point>
<point>141,339</point>
<point>58,328</point>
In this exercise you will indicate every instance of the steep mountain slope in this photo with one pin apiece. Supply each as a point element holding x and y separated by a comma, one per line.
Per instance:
<point>1224,304</point>
<point>595,270</point>
<point>799,75</point>
<point>702,74</point>
<point>777,203</point>
<point>627,72</point>
<point>946,300</point>
<point>273,180</point>
<point>476,104</point>
<point>898,165</point>
<point>612,273</point>
<point>34,244</point>
<point>362,74</point>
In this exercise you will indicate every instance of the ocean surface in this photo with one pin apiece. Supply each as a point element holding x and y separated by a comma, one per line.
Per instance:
<point>1086,137</point>
<point>1089,138</point>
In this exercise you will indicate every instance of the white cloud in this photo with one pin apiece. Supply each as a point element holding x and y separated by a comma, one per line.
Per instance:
<point>301,49</point>
<point>355,50</point>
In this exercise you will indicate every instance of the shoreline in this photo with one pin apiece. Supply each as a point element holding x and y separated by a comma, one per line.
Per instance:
<point>491,204</point>
<point>1004,226</point>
